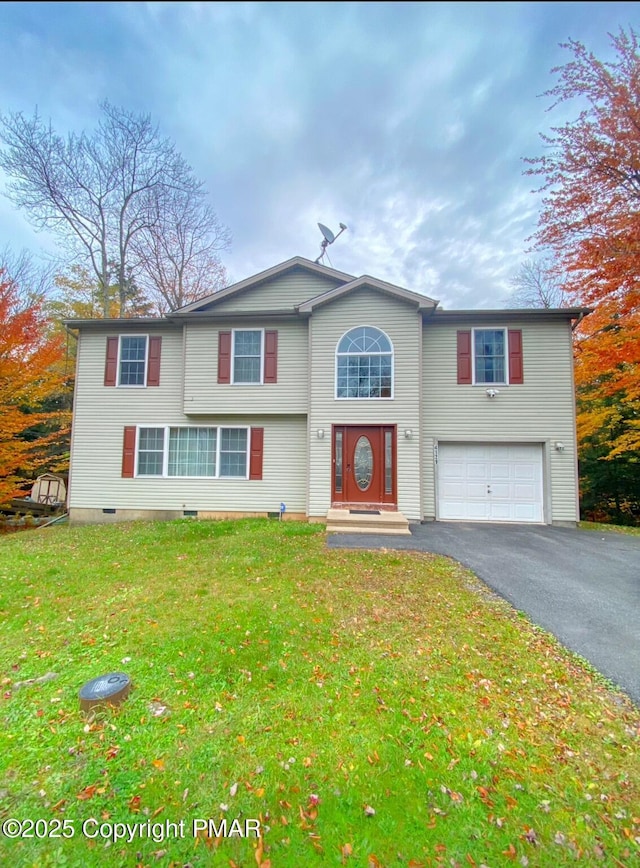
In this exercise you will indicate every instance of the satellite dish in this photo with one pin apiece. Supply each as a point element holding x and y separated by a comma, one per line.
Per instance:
<point>329,237</point>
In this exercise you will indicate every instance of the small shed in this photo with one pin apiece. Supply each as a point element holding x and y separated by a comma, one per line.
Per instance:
<point>49,489</point>
<point>48,496</point>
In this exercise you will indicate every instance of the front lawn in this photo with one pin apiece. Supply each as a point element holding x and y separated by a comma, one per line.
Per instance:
<point>365,708</point>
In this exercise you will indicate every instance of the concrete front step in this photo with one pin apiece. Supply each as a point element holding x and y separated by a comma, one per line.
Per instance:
<point>344,521</point>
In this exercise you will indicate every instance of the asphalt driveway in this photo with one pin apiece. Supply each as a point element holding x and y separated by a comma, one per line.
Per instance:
<point>582,586</point>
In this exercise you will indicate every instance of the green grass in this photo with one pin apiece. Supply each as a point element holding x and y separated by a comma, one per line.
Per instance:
<point>609,528</point>
<point>369,708</point>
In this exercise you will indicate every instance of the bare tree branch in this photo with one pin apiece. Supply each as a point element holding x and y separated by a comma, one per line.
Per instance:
<point>536,285</point>
<point>116,199</point>
<point>34,281</point>
<point>180,253</point>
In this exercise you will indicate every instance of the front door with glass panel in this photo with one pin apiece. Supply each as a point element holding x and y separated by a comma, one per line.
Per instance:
<point>364,464</point>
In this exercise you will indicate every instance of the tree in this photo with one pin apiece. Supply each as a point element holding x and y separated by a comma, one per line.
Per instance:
<point>590,222</point>
<point>537,285</point>
<point>31,377</point>
<point>179,254</point>
<point>108,196</point>
<point>78,295</point>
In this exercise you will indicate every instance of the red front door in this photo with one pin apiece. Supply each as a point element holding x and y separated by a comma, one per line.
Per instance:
<point>364,464</point>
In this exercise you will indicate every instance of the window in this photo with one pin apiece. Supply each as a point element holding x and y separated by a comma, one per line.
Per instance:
<point>233,452</point>
<point>489,356</point>
<point>151,452</point>
<point>364,364</point>
<point>133,360</point>
<point>247,356</point>
<point>193,452</point>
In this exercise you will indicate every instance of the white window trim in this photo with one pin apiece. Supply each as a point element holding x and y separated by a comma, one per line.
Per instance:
<point>505,331</point>
<point>233,357</point>
<point>337,355</point>
<point>165,451</point>
<point>146,362</point>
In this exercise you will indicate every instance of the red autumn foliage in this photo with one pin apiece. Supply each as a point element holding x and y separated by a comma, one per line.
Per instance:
<point>590,220</point>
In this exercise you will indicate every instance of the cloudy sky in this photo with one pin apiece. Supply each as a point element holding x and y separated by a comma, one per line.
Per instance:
<point>406,121</point>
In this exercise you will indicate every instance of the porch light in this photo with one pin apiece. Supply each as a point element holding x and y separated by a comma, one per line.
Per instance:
<point>408,433</point>
<point>559,446</point>
<point>320,433</point>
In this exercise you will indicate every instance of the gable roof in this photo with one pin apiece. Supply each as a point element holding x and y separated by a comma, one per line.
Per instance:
<point>296,262</point>
<point>422,302</point>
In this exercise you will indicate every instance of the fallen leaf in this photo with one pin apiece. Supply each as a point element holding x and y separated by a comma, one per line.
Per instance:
<point>347,851</point>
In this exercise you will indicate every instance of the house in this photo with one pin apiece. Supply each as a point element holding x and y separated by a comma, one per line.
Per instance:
<point>310,388</point>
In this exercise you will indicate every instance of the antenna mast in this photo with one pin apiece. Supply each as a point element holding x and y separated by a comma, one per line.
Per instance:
<point>327,238</point>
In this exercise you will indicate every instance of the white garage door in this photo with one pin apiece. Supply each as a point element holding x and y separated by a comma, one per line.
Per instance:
<point>490,482</point>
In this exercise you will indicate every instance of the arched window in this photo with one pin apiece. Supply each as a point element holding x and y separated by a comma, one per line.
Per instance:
<point>364,364</point>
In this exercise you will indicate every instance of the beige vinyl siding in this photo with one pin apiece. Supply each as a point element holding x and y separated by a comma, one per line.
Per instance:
<point>204,395</point>
<point>280,293</point>
<point>540,410</point>
<point>101,413</point>
<point>403,325</point>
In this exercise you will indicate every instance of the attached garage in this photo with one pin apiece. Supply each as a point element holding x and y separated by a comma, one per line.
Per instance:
<point>490,482</point>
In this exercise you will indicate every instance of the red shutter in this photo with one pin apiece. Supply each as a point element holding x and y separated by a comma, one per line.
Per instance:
<point>255,458</point>
<point>111,363</point>
<point>129,452</point>
<point>464,357</point>
<point>224,357</point>
<point>516,372</point>
<point>153,370</point>
<point>271,357</point>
